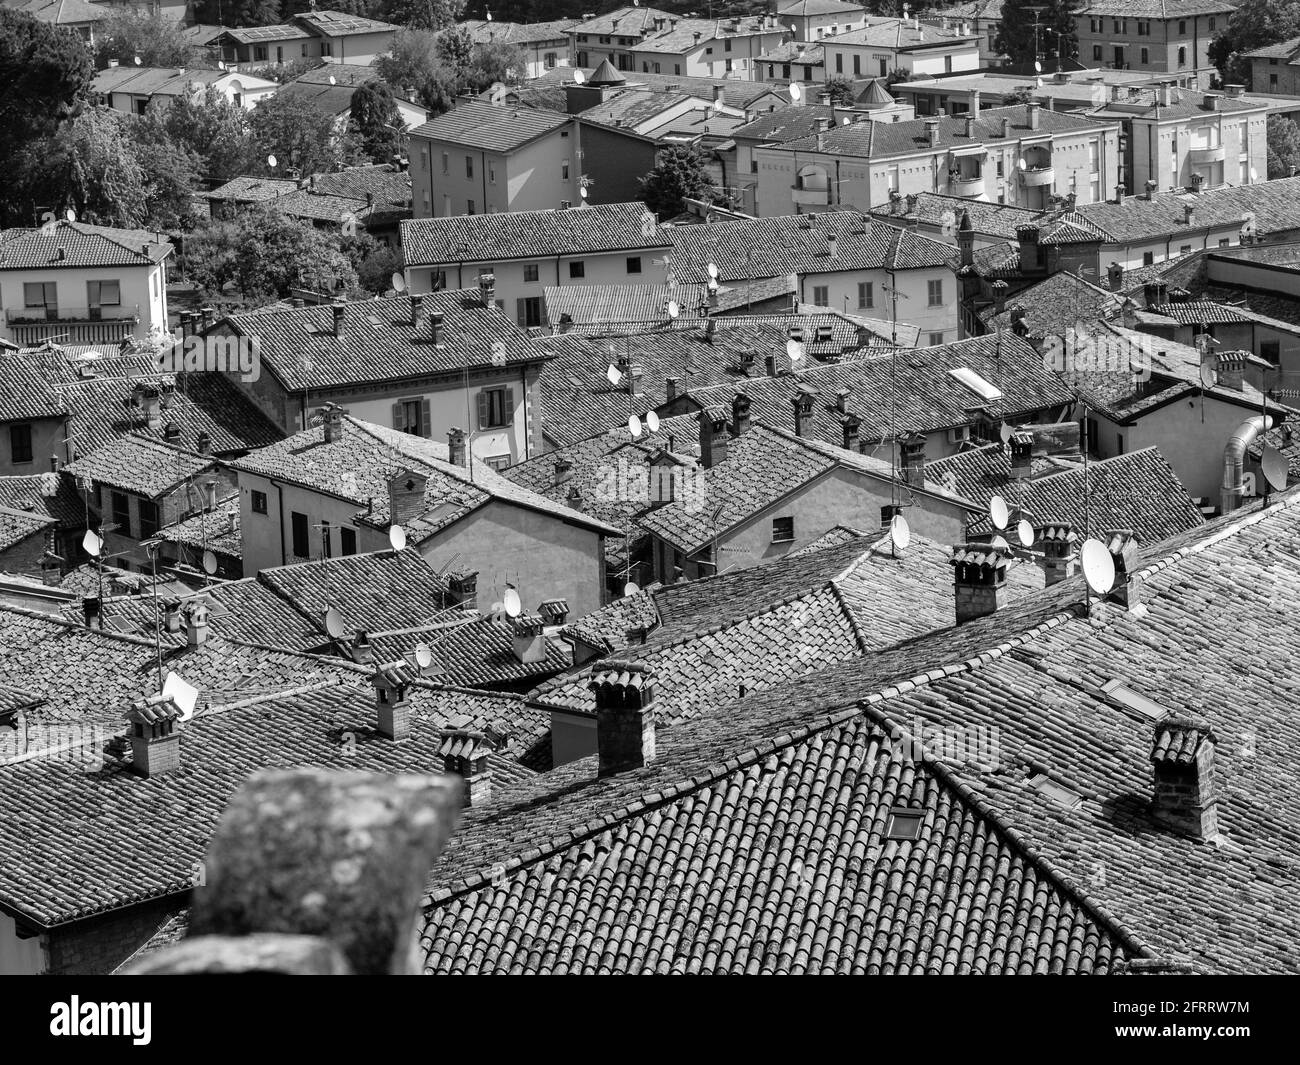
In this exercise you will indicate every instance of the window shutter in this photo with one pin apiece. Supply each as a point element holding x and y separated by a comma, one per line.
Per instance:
<point>398,423</point>
<point>509,413</point>
<point>426,418</point>
<point>521,311</point>
<point>483,410</point>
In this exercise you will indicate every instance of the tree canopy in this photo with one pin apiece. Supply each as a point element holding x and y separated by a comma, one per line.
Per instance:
<point>377,120</point>
<point>300,136</point>
<point>681,172</point>
<point>1283,146</point>
<point>1254,24</point>
<point>158,42</point>
<point>1055,32</point>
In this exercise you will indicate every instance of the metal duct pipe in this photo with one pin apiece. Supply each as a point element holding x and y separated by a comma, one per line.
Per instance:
<point>1234,459</point>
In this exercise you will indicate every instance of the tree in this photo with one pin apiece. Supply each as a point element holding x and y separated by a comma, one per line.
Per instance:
<point>496,62</point>
<point>46,73</point>
<point>375,115</point>
<point>300,136</point>
<point>237,13</point>
<point>681,172</point>
<point>414,64</point>
<point>216,130</point>
<point>423,14</point>
<point>92,166</point>
<point>374,262</point>
<point>171,171</point>
<point>1283,147</point>
<point>1254,24</point>
<point>456,52</point>
<point>158,42</point>
<point>1016,36</point>
<point>841,90</point>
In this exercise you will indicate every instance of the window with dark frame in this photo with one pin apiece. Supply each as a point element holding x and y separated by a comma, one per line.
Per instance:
<point>20,443</point>
<point>149,520</point>
<point>258,502</point>
<point>121,507</point>
<point>782,530</point>
<point>301,536</point>
<point>347,541</point>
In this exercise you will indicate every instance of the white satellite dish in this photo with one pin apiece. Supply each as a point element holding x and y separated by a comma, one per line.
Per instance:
<point>1022,164</point>
<point>794,349</point>
<point>579,77</point>
<point>70,215</point>
<point>673,309</point>
<point>397,537</point>
<point>844,121</point>
<point>511,602</point>
<point>713,270</point>
<point>1004,432</point>
<point>182,693</point>
<point>137,60</point>
<point>399,281</point>
<point>582,193</point>
<point>333,80</point>
<point>272,162</point>
<point>1209,375</point>
<point>1025,533</point>
<point>334,623</point>
<point>1098,566</point>
<point>423,656</point>
<point>1275,468</point>
<point>713,284</point>
<point>998,512</point>
<point>630,588</point>
<point>796,93</point>
<point>1038,67</point>
<point>652,421</point>
<point>718,104</point>
<point>91,543</point>
<point>209,563</point>
<point>613,375</point>
<point>1000,542</point>
<point>900,532</point>
<point>634,425</point>
<point>1254,174</point>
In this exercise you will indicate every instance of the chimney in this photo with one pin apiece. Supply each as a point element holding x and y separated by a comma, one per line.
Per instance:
<point>970,127</point>
<point>1028,238</point>
<point>740,405</point>
<point>405,496</point>
<point>832,245</point>
<point>911,459</point>
<point>1151,294</point>
<point>563,470</point>
<point>1184,796</point>
<point>554,611</point>
<point>980,574</point>
<point>172,615</point>
<point>339,312</point>
<point>149,400</point>
<point>527,638</point>
<point>487,288</point>
<point>462,589</point>
<point>196,623</point>
<point>1057,540</point>
<point>210,494</point>
<point>435,329</point>
<point>634,373</point>
<point>1165,94</point>
<point>625,715</point>
<point>456,447</point>
<point>332,422</point>
<point>852,425</point>
<point>415,310</point>
<point>1151,187</point>
<point>966,240</point>
<point>1032,108</point>
<point>155,735</point>
<point>802,402</point>
<point>1006,128</point>
<point>719,94</point>
<point>1235,90</point>
<point>1211,102</point>
<point>1022,451</point>
<point>713,436</point>
<point>92,611</point>
<point>204,445</point>
<point>171,431</point>
<point>635,635</point>
<point>465,754</point>
<point>392,705</point>
<point>1115,276</point>
<point>999,296</point>
<point>1123,548</point>
<point>361,650</point>
<point>671,385</point>
<point>1232,369</point>
<point>932,131</point>
<point>975,102</point>
<point>1128,314</point>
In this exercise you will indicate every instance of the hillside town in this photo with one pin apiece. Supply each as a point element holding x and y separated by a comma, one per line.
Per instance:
<point>765,487</point>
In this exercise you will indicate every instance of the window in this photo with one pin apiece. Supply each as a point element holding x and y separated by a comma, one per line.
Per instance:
<point>782,530</point>
<point>1186,249</point>
<point>634,264</point>
<point>839,62</point>
<point>1182,28</point>
<point>410,416</point>
<point>497,462</point>
<point>1271,351</point>
<point>495,408</point>
<point>1211,22</point>
<point>259,502</point>
<point>564,170</point>
<point>934,290</point>
<point>866,295</point>
<point>549,60</point>
<point>1148,258</point>
<point>469,207</point>
<point>785,70</point>
<point>1224,242</point>
<point>530,271</point>
<point>677,68</point>
<point>301,544</point>
<point>347,541</point>
<point>857,64</point>
<point>1272,81</point>
<point>528,311</point>
<point>122,512</point>
<point>326,48</point>
<point>438,280</point>
<point>807,73</point>
<point>753,166</point>
<point>905,824</point>
<point>446,162</point>
<point>822,295</point>
<point>1182,57</point>
<point>577,268</point>
<point>1058,793</point>
<point>43,296</point>
<point>936,339</point>
<point>469,166</point>
<point>657,68</point>
<point>260,53</point>
<point>1119,443</point>
<point>729,66</point>
<point>1096,52</point>
<point>325,551</point>
<point>1146,58</point>
<point>100,294</point>
<point>148,518</point>
<point>20,443</point>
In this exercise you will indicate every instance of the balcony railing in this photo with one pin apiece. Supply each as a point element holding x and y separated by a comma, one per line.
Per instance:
<point>966,186</point>
<point>1035,176</point>
<point>1203,155</point>
<point>810,197</point>
<point>29,326</point>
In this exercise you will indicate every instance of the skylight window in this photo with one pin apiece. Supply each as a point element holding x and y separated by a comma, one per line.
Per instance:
<point>1055,791</point>
<point>1148,708</point>
<point>976,383</point>
<point>904,823</point>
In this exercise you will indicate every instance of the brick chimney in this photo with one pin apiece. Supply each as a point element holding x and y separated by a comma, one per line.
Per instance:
<point>980,580</point>
<point>1029,253</point>
<point>932,132</point>
<point>392,702</point>
<point>405,496</point>
<point>487,289</point>
<point>196,623</point>
<point>625,715</point>
<point>465,754</point>
<point>462,589</point>
<point>671,387</point>
<point>714,436</point>
<point>966,240</point>
<point>435,329</point>
<point>172,615</point>
<point>1057,540</point>
<point>456,446</point>
<point>204,446</point>
<point>155,735</point>
<point>1232,369</point>
<point>852,426</point>
<point>1185,797</point>
<point>999,296</point>
<point>563,470</point>
<point>911,459</point>
<point>1115,276</point>
<point>740,404</point>
<point>1031,113</point>
<point>339,312</point>
<point>1021,446</point>
<point>1123,547</point>
<point>528,639</point>
<point>416,303</point>
<point>802,403</point>
<point>554,611</point>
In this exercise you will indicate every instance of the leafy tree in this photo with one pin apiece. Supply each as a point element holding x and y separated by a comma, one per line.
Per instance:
<point>414,64</point>
<point>456,52</point>
<point>171,172</point>
<point>300,136</point>
<point>498,61</point>
<point>216,130</point>
<point>158,42</point>
<point>681,172</point>
<point>237,13</point>
<point>46,73</point>
<point>1254,24</point>
<point>373,261</point>
<point>1283,147</point>
<point>841,90</point>
<point>375,114</point>
<point>896,75</point>
<point>92,166</point>
<point>1016,37</point>
<point>423,14</point>
<point>1022,95</point>
<point>369,8</point>
<point>263,253</point>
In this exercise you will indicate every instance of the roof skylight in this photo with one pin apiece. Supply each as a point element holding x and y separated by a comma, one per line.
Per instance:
<point>976,383</point>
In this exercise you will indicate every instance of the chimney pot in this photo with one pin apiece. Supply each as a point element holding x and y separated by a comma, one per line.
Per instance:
<point>1057,541</point>
<point>154,725</point>
<point>625,715</point>
<point>392,705</point>
<point>465,754</point>
<point>671,385</point>
<point>340,312</point>
<point>911,459</point>
<point>802,402</point>
<point>462,589</point>
<point>713,436</point>
<point>196,623</point>
<point>1185,796</point>
<point>1123,547</point>
<point>406,496</point>
<point>456,447</point>
<point>740,405</point>
<point>528,639</point>
<point>980,580</point>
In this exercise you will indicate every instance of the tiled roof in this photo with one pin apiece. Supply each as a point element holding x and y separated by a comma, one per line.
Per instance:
<point>623,22</point>
<point>475,124</point>
<point>61,12</point>
<point>521,33</point>
<point>606,629</point>
<point>790,123</point>
<point>77,244</point>
<point>1201,312</point>
<point>384,182</point>
<point>489,238</point>
<point>623,304</point>
<point>16,526</point>
<point>379,342</point>
<point>793,51</point>
<point>681,38</point>
<point>342,23</point>
<point>989,219</point>
<point>475,653</point>
<point>249,189</point>
<point>215,530</point>
<point>253,34</point>
<point>141,465</point>
<point>1055,304</point>
<point>547,89</point>
<point>1275,205</point>
<point>902,34</point>
<point>26,393</point>
<point>632,107</point>
<point>50,494</point>
<point>1281,50</point>
<point>799,244</point>
<point>1162,9</point>
<point>821,7</point>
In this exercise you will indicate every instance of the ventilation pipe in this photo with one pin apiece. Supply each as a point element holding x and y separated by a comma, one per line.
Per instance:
<point>1234,459</point>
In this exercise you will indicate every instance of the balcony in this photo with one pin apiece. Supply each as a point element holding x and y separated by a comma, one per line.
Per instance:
<point>1033,177</point>
<point>969,186</point>
<point>810,197</point>
<point>29,327</point>
<point>1203,156</point>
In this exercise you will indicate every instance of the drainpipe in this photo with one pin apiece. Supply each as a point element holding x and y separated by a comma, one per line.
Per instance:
<point>1234,459</point>
<point>279,492</point>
